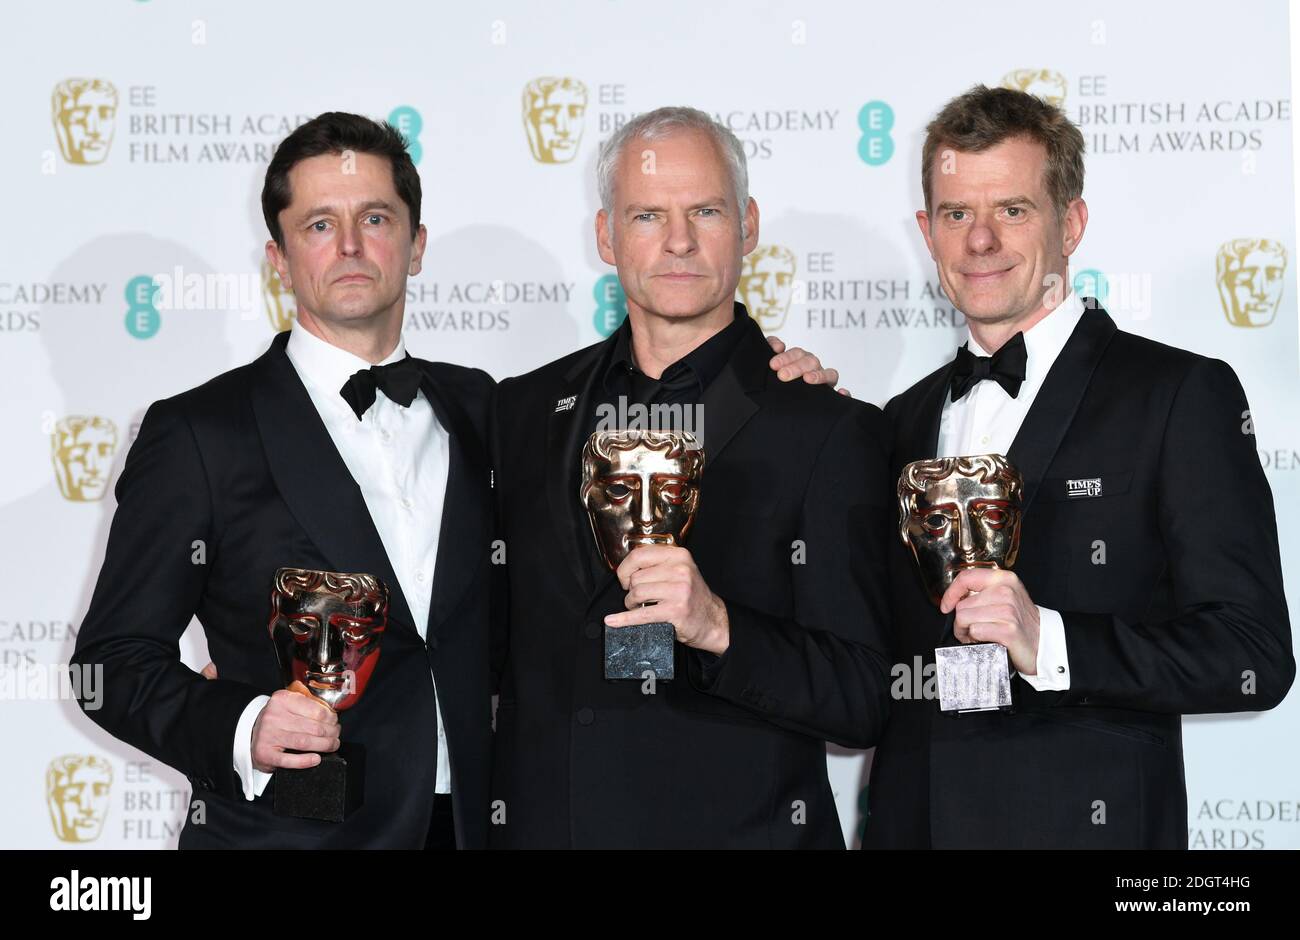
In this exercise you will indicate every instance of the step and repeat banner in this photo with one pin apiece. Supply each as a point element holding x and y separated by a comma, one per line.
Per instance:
<point>136,138</point>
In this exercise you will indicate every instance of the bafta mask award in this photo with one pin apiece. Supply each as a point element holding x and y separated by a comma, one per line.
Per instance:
<point>326,628</point>
<point>957,513</point>
<point>640,488</point>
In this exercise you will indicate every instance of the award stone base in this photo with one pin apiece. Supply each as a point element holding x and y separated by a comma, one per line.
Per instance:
<point>331,791</point>
<point>632,652</point>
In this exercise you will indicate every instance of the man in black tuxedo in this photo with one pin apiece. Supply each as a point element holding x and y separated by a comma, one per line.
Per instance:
<point>1148,584</point>
<point>777,598</point>
<point>308,457</point>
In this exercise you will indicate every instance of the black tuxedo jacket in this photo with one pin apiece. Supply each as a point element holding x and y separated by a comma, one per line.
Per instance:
<point>245,466</point>
<point>731,753</point>
<point>1169,584</point>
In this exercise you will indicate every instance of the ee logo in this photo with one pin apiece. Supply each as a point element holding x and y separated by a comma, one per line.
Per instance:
<point>611,305</point>
<point>408,121</point>
<point>876,119</point>
<point>1092,283</point>
<point>142,317</point>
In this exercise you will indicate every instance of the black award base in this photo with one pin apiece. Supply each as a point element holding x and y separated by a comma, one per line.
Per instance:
<point>330,791</point>
<point>636,651</point>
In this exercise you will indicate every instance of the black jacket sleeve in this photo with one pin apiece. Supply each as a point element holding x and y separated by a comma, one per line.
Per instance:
<point>160,547</point>
<point>1228,649</point>
<point>823,671</point>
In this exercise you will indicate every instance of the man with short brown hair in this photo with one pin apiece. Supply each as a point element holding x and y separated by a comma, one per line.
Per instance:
<point>1148,583</point>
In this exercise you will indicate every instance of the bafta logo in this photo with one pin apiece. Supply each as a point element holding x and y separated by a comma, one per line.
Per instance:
<point>1043,83</point>
<point>76,789</point>
<point>553,113</point>
<point>82,449</point>
<point>1250,273</point>
<point>281,305</point>
<point>85,110</point>
<point>766,285</point>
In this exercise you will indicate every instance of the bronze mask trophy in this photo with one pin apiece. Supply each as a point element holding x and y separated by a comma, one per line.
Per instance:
<point>640,488</point>
<point>326,629</point>
<point>957,513</point>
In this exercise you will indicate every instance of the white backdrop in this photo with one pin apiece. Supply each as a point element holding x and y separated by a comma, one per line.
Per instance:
<point>150,167</point>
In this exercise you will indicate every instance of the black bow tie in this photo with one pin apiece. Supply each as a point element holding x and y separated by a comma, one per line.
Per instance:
<point>1006,367</point>
<point>400,381</point>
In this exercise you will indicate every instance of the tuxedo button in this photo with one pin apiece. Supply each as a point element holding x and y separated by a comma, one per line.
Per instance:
<point>586,716</point>
<point>593,629</point>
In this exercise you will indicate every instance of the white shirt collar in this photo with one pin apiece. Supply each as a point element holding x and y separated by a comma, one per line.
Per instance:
<point>1045,339</point>
<point>326,366</point>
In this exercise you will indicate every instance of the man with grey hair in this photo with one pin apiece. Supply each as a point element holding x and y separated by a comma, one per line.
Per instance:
<point>658,124</point>
<point>777,602</point>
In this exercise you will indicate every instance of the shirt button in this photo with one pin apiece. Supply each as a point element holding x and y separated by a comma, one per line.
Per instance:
<point>419,576</point>
<point>593,629</point>
<point>406,501</point>
<point>586,716</point>
<point>985,440</point>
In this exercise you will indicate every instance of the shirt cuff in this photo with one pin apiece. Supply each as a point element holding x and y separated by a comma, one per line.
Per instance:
<point>254,781</point>
<point>1053,662</point>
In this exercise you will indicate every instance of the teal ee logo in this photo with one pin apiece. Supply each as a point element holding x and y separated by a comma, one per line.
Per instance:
<point>611,305</point>
<point>876,120</point>
<point>1090,282</point>
<point>408,122</point>
<point>142,318</point>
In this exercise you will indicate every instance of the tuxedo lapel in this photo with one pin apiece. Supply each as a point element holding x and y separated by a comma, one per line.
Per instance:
<point>1058,399</point>
<point>566,426</point>
<point>922,441</point>
<point>466,515</point>
<point>313,480</point>
<point>728,403</point>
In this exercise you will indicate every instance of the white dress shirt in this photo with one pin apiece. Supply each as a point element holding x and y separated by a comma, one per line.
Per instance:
<point>399,458</point>
<point>986,420</point>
